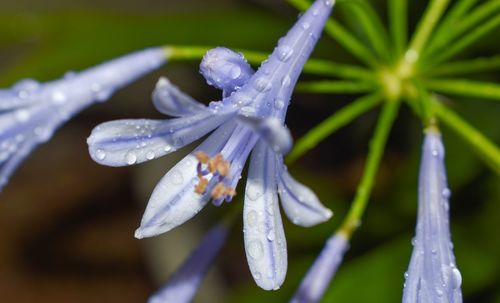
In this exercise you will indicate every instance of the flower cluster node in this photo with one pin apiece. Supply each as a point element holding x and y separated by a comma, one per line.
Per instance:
<point>216,166</point>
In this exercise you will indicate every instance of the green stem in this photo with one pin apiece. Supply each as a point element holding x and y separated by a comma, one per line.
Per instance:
<point>465,88</point>
<point>398,24</point>
<point>470,21</point>
<point>482,145</point>
<point>456,14</point>
<point>338,87</point>
<point>371,26</point>
<point>425,27</point>
<point>339,119</point>
<point>313,66</point>
<point>466,66</point>
<point>464,41</point>
<point>376,150</point>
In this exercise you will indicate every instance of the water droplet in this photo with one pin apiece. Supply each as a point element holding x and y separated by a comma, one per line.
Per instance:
<point>22,115</point>
<point>100,154</point>
<point>167,148</point>
<point>286,81</point>
<point>456,278</point>
<point>262,84</point>
<point>58,97</point>
<point>446,193</point>
<point>328,3</point>
<point>176,178</point>
<point>279,104</point>
<point>305,25</point>
<point>270,236</point>
<point>435,152</point>
<point>131,158</point>
<point>253,192</point>
<point>150,155</point>
<point>255,249</point>
<point>235,72</point>
<point>285,52</point>
<point>257,275</point>
<point>252,218</point>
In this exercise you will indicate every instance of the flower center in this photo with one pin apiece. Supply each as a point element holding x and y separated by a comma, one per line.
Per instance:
<point>219,168</point>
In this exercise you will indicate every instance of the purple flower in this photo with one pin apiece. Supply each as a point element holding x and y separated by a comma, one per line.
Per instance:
<point>250,117</point>
<point>30,112</point>
<point>432,274</point>
<point>317,279</point>
<point>184,283</point>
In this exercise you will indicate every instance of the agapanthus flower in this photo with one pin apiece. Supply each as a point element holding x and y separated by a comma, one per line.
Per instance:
<point>250,117</point>
<point>317,279</point>
<point>30,112</point>
<point>432,274</point>
<point>182,286</point>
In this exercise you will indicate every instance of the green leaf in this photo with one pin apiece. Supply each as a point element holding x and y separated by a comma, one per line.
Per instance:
<point>426,26</point>
<point>466,66</point>
<point>338,87</point>
<point>482,145</point>
<point>332,124</point>
<point>465,88</point>
<point>465,24</point>
<point>342,36</point>
<point>371,26</point>
<point>456,14</point>
<point>464,41</point>
<point>398,24</point>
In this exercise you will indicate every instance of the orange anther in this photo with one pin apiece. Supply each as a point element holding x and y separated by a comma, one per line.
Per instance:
<point>202,157</point>
<point>201,186</point>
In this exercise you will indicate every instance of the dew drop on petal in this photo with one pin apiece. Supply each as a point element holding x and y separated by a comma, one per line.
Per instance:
<point>255,249</point>
<point>177,178</point>
<point>22,115</point>
<point>456,278</point>
<point>150,155</point>
<point>270,236</point>
<point>131,158</point>
<point>252,218</point>
<point>286,81</point>
<point>285,52</point>
<point>262,84</point>
<point>100,154</point>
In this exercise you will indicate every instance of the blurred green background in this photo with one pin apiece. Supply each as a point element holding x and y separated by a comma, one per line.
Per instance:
<point>66,223</point>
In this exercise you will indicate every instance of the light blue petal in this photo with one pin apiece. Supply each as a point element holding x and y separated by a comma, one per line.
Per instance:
<point>13,159</point>
<point>271,131</point>
<point>169,100</point>
<point>225,69</point>
<point>182,286</point>
<point>300,203</point>
<point>128,142</point>
<point>318,277</point>
<point>174,200</point>
<point>265,242</point>
<point>432,274</point>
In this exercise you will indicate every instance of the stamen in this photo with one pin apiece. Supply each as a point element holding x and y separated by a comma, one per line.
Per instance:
<point>202,157</point>
<point>218,191</point>
<point>220,168</point>
<point>201,186</point>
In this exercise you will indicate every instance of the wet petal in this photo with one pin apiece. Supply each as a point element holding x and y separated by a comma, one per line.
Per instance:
<point>300,203</point>
<point>174,200</point>
<point>265,242</point>
<point>11,160</point>
<point>169,100</point>
<point>271,130</point>
<point>225,69</point>
<point>432,274</point>
<point>317,279</point>
<point>128,142</point>
<point>182,286</point>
